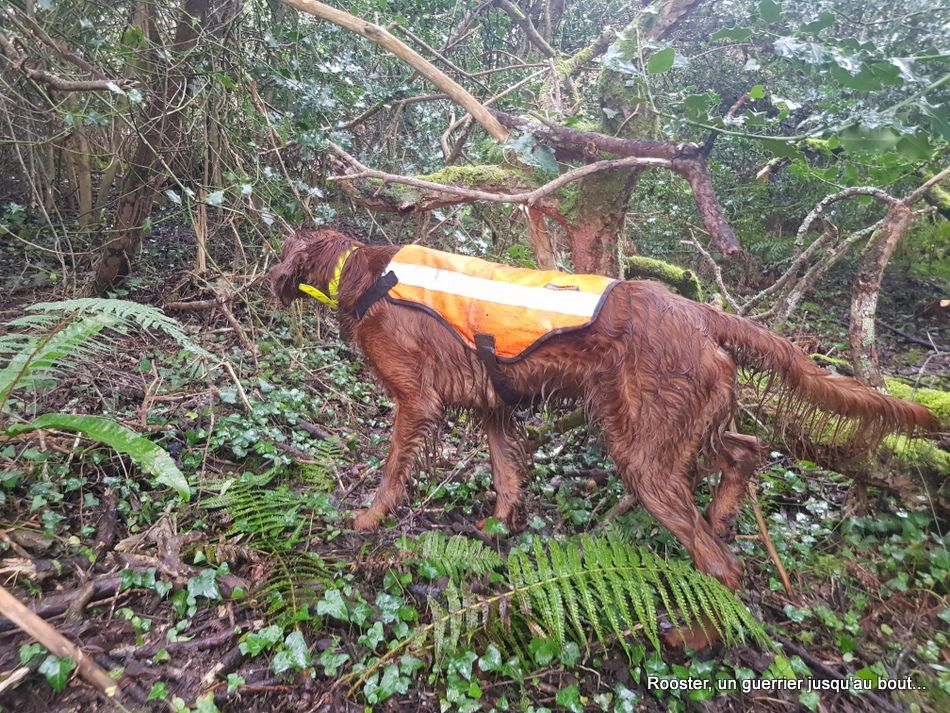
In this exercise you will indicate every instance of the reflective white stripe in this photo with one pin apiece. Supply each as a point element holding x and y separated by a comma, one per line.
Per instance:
<point>573,302</point>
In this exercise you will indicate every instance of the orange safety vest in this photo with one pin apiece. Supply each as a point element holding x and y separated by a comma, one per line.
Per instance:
<point>519,308</point>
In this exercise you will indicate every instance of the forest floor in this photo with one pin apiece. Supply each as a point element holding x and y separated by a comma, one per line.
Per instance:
<point>256,595</point>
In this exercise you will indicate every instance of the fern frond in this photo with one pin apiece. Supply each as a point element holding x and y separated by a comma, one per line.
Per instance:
<point>274,516</point>
<point>456,556</point>
<point>564,590</point>
<point>143,452</point>
<point>296,580</point>
<point>123,312</point>
<point>42,356</point>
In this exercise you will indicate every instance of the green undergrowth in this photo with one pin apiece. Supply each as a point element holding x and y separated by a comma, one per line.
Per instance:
<point>563,612</point>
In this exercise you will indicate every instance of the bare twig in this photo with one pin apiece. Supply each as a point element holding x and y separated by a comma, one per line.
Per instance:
<point>717,272</point>
<point>767,540</point>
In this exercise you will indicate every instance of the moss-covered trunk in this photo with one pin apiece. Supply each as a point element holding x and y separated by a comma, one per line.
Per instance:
<point>598,223</point>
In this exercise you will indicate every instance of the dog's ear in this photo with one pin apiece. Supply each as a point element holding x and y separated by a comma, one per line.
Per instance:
<point>291,270</point>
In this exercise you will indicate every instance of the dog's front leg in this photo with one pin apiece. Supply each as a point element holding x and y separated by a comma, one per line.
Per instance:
<point>507,461</point>
<point>413,421</point>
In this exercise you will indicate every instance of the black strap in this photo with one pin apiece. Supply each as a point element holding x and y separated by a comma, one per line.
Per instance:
<point>374,294</point>
<point>485,350</point>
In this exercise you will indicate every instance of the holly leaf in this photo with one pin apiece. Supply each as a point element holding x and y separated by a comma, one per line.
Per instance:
<point>863,139</point>
<point>825,19</point>
<point>531,153</point>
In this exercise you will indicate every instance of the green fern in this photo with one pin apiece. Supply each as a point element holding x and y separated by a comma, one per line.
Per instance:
<point>124,313</point>
<point>604,585</point>
<point>39,358</point>
<point>57,335</point>
<point>454,556</point>
<point>274,519</point>
<point>274,516</point>
<point>143,452</point>
<point>295,581</point>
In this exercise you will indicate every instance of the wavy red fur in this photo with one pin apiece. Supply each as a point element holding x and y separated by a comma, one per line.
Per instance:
<point>657,372</point>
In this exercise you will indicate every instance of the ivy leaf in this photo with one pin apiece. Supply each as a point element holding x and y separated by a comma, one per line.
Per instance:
<point>257,641</point>
<point>205,584</point>
<point>216,198</point>
<point>373,636</point>
<point>770,11</point>
<point>915,147</point>
<point>825,20</point>
<point>158,692</point>
<point>30,651</point>
<point>294,656</point>
<point>757,92</point>
<point>333,605</point>
<point>331,661</point>
<point>863,139</point>
<point>206,704</point>
<point>531,153</point>
<point>734,34</point>
<point>57,671</point>
<point>661,61</point>
<point>570,699</point>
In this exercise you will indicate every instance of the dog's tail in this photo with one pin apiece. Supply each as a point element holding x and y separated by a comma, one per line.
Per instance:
<point>810,395</point>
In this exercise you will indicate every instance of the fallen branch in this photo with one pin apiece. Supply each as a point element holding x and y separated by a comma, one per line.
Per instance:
<point>56,643</point>
<point>58,603</point>
<point>472,194</point>
<point>684,159</point>
<point>767,539</point>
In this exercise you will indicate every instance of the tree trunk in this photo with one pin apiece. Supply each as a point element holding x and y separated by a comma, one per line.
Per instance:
<point>162,122</point>
<point>602,201</point>
<point>867,287</point>
<point>541,239</point>
<point>598,227</point>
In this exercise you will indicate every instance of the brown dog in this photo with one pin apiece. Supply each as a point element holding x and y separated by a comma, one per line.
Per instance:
<point>656,372</point>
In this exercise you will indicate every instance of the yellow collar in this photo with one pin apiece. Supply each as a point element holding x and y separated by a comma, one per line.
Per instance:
<point>333,289</point>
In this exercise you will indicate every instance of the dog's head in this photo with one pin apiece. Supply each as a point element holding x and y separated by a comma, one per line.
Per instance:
<point>307,257</point>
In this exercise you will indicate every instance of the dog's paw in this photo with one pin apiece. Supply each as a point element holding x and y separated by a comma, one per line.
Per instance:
<point>725,530</point>
<point>695,636</point>
<point>366,520</point>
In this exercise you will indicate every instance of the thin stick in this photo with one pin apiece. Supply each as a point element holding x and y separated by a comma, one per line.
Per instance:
<point>767,540</point>
<point>57,644</point>
<point>240,388</point>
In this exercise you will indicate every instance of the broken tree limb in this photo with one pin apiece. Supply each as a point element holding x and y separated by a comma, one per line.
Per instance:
<point>56,643</point>
<point>382,37</point>
<point>528,198</point>
<point>685,159</point>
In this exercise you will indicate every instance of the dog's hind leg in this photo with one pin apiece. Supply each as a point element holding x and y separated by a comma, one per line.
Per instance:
<point>655,420</point>
<point>507,461</point>
<point>740,456</point>
<point>414,420</point>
